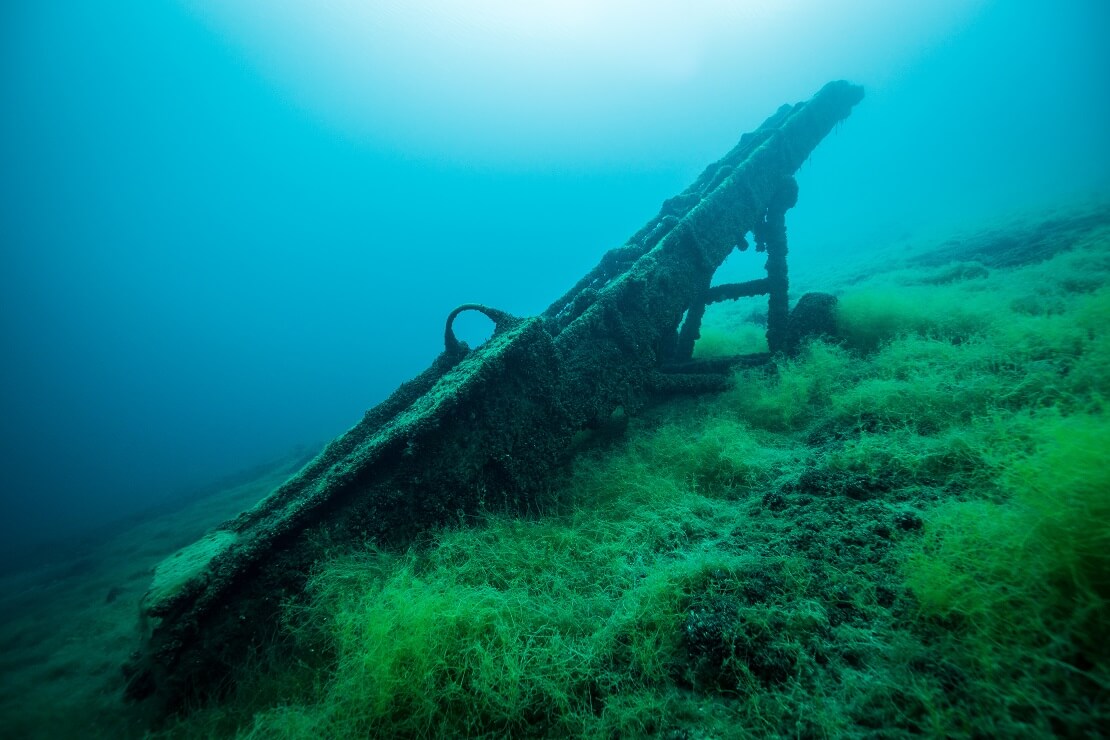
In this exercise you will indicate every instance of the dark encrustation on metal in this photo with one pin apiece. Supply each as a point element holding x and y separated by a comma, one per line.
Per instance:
<point>485,429</point>
<point>770,236</point>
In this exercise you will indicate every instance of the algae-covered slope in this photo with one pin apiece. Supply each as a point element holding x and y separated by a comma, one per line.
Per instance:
<point>903,531</point>
<point>67,622</point>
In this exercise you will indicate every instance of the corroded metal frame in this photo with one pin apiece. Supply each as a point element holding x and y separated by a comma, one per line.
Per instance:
<point>485,429</point>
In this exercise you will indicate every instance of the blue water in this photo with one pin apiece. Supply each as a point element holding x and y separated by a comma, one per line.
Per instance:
<point>227,228</point>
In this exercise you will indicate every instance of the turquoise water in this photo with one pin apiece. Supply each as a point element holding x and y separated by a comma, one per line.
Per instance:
<point>228,228</point>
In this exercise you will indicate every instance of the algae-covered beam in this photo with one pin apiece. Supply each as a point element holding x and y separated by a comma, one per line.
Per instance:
<point>483,429</point>
<point>628,326</point>
<point>771,236</point>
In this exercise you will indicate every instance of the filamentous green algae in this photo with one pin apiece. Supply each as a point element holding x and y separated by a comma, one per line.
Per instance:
<point>903,530</point>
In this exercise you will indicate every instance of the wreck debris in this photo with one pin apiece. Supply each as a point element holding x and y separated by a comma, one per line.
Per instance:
<point>484,429</point>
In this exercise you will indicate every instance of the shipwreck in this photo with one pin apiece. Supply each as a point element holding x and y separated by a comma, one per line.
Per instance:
<point>484,429</point>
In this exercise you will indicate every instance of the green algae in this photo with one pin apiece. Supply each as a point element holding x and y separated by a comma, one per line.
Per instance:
<point>902,532</point>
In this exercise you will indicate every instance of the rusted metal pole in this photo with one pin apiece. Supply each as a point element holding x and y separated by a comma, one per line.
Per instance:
<point>771,237</point>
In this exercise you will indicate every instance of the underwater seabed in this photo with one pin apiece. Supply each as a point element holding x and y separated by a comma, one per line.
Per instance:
<point>905,531</point>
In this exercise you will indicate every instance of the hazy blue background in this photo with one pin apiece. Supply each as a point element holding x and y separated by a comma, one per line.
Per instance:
<point>227,227</point>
